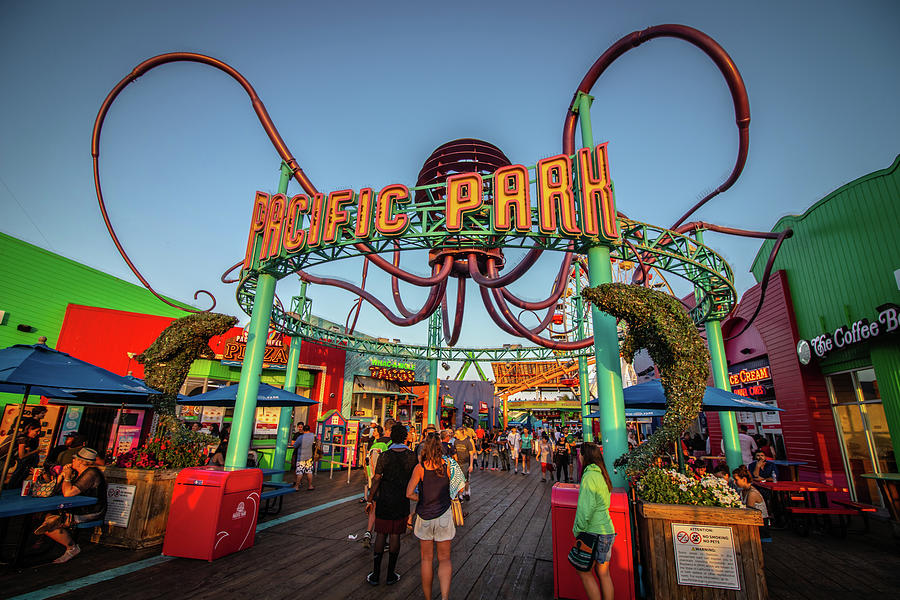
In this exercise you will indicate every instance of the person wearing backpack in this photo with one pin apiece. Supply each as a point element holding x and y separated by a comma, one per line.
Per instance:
<point>375,451</point>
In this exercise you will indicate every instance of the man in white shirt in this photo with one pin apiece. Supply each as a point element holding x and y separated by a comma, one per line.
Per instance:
<point>748,446</point>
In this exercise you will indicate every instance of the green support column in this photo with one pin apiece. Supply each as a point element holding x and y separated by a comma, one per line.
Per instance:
<point>583,384</point>
<point>606,339</point>
<point>728,420</point>
<point>251,368</point>
<point>285,416</point>
<point>463,370</point>
<point>480,372</point>
<point>434,333</point>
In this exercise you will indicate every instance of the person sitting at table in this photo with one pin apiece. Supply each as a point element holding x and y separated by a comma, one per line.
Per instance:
<point>78,442</point>
<point>761,469</point>
<point>56,451</point>
<point>721,471</point>
<point>750,496</point>
<point>24,454</point>
<point>81,478</point>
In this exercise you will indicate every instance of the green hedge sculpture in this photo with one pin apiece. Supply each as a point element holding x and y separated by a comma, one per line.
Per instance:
<point>659,323</point>
<point>169,358</point>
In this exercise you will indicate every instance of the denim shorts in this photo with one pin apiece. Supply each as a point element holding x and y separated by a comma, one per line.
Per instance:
<point>602,543</point>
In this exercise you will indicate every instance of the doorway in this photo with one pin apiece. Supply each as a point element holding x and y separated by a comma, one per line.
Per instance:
<point>863,431</point>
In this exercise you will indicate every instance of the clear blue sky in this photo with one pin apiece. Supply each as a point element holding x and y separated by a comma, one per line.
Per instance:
<point>363,91</point>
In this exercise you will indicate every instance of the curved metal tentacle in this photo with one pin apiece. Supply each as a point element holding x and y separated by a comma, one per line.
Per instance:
<point>510,276</point>
<point>559,286</point>
<point>139,70</point>
<point>718,56</point>
<point>431,303</point>
<point>357,305</point>
<point>230,270</point>
<point>492,311</point>
<point>765,280</point>
<point>395,283</point>
<point>523,331</point>
<point>451,337</point>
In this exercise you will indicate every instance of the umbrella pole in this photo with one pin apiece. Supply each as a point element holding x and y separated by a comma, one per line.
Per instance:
<point>12,433</point>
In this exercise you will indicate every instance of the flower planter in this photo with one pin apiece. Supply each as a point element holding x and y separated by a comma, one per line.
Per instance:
<point>149,509</point>
<point>720,566</point>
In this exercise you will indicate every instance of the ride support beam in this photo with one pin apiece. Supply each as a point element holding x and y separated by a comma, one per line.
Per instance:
<point>251,368</point>
<point>606,340</point>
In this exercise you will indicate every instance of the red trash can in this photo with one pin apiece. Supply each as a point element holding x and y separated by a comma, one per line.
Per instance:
<point>213,512</point>
<point>566,582</point>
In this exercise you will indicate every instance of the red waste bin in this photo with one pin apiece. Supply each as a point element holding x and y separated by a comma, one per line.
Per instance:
<point>213,512</point>
<point>566,582</point>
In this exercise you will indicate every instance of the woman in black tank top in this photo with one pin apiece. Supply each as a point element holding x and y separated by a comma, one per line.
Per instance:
<point>434,522</point>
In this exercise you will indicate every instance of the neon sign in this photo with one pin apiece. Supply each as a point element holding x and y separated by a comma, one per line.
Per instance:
<point>575,202</point>
<point>749,376</point>
<point>392,374</point>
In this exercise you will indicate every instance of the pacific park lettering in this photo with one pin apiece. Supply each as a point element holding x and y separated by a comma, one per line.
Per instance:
<point>279,220</point>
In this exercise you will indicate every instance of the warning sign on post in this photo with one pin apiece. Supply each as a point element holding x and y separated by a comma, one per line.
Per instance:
<point>704,556</point>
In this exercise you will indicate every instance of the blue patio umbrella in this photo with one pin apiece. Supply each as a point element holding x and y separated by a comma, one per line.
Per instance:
<point>634,413</point>
<point>650,395</point>
<point>39,369</point>
<point>267,396</point>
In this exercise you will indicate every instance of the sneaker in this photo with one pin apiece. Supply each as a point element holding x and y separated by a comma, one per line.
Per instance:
<point>367,540</point>
<point>516,471</point>
<point>542,479</point>
<point>70,553</point>
<point>50,523</point>
<point>392,578</point>
<point>372,578</point>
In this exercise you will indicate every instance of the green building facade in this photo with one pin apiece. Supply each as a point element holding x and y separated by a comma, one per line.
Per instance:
<point>843,270</point>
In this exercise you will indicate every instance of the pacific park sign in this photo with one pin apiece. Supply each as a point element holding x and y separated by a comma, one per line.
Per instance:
<point>572,201</point>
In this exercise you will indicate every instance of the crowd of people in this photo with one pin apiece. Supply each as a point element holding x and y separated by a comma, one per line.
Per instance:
<point>435,471</point>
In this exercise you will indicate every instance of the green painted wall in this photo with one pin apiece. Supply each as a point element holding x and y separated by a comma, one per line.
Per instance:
<point>37,285</point>
<point>840,265</point>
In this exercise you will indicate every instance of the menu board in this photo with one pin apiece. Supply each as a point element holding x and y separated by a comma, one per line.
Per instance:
<point>119,499</point>
<point>267,421</point>
<point>212,415</point>
<point>704,556</point>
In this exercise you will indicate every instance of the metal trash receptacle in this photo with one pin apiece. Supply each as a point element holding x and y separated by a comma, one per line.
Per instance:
<point>566,582</point>
<point>213,512</point>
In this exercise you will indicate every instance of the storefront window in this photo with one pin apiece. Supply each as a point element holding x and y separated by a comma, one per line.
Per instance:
<point>861,423</point>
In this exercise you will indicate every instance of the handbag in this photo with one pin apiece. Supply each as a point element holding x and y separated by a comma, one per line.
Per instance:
<point>43,490</point>
<point>457,479</point>
<point>581,556</point>
<point>457,512</point>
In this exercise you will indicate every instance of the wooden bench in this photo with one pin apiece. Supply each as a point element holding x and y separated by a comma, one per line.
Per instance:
<point>273,497</point>
<point>861,509</point>
<point>803,527</point>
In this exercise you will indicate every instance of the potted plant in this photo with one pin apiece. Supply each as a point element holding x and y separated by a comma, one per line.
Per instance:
<point>141,482</point>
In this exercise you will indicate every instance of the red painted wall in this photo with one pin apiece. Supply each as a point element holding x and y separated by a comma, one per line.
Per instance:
<point>807,423</point>
<point>104,337</point>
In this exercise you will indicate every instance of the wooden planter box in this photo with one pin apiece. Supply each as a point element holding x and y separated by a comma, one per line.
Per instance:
<point>149,509</point>
<point>704,536</point>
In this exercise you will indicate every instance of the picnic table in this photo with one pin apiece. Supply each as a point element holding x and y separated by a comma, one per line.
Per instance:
<point>791,466</point>
<point>13,504</point>
<point>889,486</point>
<point>794,503</point>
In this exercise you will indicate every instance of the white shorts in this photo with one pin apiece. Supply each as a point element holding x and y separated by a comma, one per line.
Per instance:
<point>439,529</point>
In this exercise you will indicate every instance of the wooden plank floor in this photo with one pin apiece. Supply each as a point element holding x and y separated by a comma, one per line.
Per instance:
<point>503,551</point>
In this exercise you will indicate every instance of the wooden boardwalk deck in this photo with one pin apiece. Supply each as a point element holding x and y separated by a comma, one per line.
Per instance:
<point>503,551</point>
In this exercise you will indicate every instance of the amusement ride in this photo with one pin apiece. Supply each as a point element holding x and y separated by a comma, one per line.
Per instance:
<point>467,206</point>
